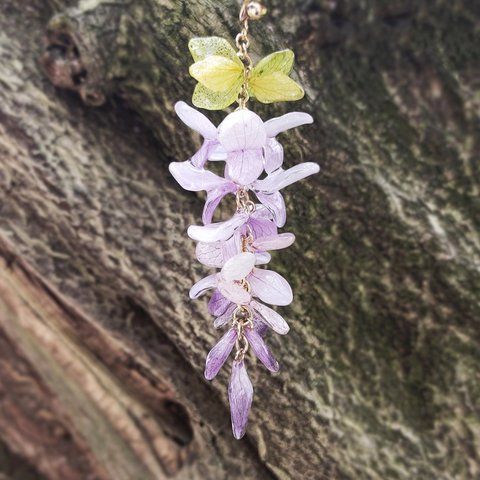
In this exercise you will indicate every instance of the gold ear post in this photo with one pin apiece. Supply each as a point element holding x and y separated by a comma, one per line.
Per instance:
<point>256,10</point>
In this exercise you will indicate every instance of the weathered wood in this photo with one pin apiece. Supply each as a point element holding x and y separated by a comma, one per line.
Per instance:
<point>380,372</point>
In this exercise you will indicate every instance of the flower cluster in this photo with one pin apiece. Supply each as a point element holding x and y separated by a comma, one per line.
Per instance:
<point>239,247</point>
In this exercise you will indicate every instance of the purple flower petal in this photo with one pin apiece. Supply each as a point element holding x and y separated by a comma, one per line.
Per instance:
<point>196,120</point>
<point>214,197</point>
<point>273,153</point>
<point>270,287</point>
<point>261,223</point>
<point>286,122</point>
<point>217,154</point>
<point>203,286</point>
<point>233,292</point>
<point>274,242</point>
<point>271,318</point>
<point>196,179</point>
<point>244,167</point>
<point>219,354</point>
<point>282,178</point>
<point>218,304</point>
<point>239,266</point>
<point>259,324</point>
<point>261,350</point>
<point>242,130</point>
<point>240,395</point>
<point>200,158</point>
<point>217,253</point>
<point>225,317</point>
<point>217,231</point>
<point>262,258</point>
<point>275,203</point>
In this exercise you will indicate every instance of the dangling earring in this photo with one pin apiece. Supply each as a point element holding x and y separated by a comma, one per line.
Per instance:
<point>239,247</point>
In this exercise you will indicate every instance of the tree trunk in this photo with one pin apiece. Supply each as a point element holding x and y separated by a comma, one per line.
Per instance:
<point>102,352</point>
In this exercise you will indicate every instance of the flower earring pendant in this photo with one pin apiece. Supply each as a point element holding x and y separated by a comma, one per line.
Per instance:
<point>238,248</point>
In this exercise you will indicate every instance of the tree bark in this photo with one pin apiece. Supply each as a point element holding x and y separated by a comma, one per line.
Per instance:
<point>102,353</point>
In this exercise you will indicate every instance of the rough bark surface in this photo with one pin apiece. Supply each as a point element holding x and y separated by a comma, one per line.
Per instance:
<point>101,352</point>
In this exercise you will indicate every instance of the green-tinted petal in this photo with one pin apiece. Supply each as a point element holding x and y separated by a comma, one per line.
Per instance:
<point>275,87</point>
<point>276,62</point>
<point>210,100</point>
<point>202,47</point>
<point>217,73</point>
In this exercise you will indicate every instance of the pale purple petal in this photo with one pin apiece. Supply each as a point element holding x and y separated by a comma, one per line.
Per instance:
<point>262,258</point>
<point>240,395</point>
<point>217,231</point>
<point>196,120</point>
<point>196,179</point>
<point>218,304</point>
<point>217,253</point>
<point>225,317</point>
<point>261,350</point>
<point>261,223</point>
<point>273,153</point>
<point>270,287</point>
<point>271,318</point>
<point>204,153</point>
<point>242,130</point>
<point>203,286</point>
<point>219,354</point>
<point>233,292</point>
<point>276,204</point>
<point>238,267</point>
<point>217,153</point>
<point>259,324</point>
<point>282,178</point>
<point>244,167</point>
<point>214,197</point>
<point>274,242</point>
<point>286,122</point>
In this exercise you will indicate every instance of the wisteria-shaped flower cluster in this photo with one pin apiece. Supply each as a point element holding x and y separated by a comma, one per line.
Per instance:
<point>238,247</point>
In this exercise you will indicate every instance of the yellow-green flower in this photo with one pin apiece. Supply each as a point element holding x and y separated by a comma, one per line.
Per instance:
<point>219,73</point>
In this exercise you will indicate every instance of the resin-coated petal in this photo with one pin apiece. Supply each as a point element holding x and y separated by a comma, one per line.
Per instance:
<point>214,197</point>
<point>261,222</point>
<point>261,350</point>
<point>217,304</point>
<point>238,267</point>
<point>270,287</point>
<point>276,204</point>
<point>240,395</point>
<point>273,153</point>
<point>286,122</point>
<point>199,159</point>
<point>217,231</point>
<point>216,254</point>
<point>271,318</point>
<point>219,354</point>
<point>217,154</point>
<point>275,242</point>
<point>233,292</point>
<point>196,120</point>
<point>244,167</point>
<point>282,178</point>
<point>225,317</point>
<point>203,286</point>
<point>242,130</point>
<point>259,324</point>
<point>262,258</point>
<point>195,179</point>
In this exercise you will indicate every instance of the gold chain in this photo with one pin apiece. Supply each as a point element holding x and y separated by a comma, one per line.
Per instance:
<point>249,11</point>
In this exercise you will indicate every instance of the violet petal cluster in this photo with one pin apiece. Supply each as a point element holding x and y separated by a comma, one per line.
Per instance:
<point>239,247</point>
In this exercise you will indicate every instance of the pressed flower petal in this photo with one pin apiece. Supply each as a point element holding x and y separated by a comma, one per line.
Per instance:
<point>261,222</point>
<point>259,324</point>
<point>274,242</point>
<point>219,354</point>
<point>276,204</point>
<point>271,318</point>
<point>214,197</point>
<point>261,350</point>
<point>200,158</point>
<point>195,179</point>
<point>240,395</point>
<point>225,317</point>
<point>262,258</point>
<point>244,167</point>
<point>242,130</point>
<point>273,153</point>
<point>238,267</point>
<point>286,122</point>
<point>217,231</point>
<point>196,120</point>
<point>217,154</point>
<point>203,286</point>
<point>270,287</point>
<point>282,178</point>
<point>233,292</point>
<point>218,304</point>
